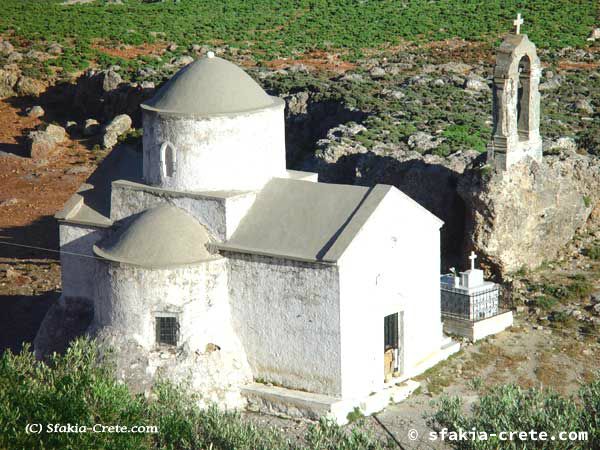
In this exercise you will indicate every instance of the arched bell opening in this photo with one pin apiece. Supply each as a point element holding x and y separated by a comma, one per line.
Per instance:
<point>523,97</point>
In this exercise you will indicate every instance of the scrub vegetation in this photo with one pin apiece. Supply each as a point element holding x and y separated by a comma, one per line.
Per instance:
<point>511,408</point>
<point>76,389</point>
<point>278,29</point>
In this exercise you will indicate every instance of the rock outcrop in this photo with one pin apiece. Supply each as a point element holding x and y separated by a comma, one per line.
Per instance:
<point>117,127</point>
<point>103,95</point>
<point>525,216</point>
<point>8,81</point>
<point>43,144</point>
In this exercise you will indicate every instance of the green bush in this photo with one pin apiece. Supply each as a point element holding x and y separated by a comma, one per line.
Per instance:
<point>281,28</point>
<point>593,252</point>
<point>77,389</point>
<point>511,408</point>
<point>464,136</point>
<point>545,302</point>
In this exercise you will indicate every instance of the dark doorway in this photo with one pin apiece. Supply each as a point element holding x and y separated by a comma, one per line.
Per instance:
<point>392,346</point>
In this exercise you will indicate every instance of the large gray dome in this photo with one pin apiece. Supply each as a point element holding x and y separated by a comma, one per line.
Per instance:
<point>209,86</point>
<point>164,236</point>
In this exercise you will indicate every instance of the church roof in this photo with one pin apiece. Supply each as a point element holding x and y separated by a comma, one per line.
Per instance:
<point>304,220</point>
<point>164,236</point>
<point>210,86</point>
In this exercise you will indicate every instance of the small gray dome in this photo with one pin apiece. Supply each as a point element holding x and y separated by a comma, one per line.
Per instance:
<point>164,236</point>
<point>209,86</point>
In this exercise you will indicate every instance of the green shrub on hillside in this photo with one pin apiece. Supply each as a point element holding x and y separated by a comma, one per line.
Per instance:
<point>510,408</point>
<point>76,389</point>
<point>283,28</point>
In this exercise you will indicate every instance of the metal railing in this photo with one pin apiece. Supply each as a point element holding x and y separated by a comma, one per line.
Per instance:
<point>458,304</point>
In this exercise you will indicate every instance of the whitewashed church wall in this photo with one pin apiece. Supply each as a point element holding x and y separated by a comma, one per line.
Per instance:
<point>235,210</point>
<point>208,211</point>
<point>130,298</point>
<point>79,273</point>
<point>236,152</point>
<point>220,216</point>
<point>392,266</point>
<point>287,314</point>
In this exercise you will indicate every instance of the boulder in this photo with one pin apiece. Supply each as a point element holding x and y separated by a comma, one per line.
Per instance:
<point>91,127</point>
<point>43,144</point>
<point>55,49</point>
<point>35,111</point>
<point>6,48</point>
<point>377,73</point>
<point>117,127</point>
<point>30,87</point>
<point>15,57</point>
<point>563,144</point>
<point>8,81</point>
<point>111,81</point>
<point>525,216</point>
<point>423,142</point>
<point>551,84</point>
<point>398,95</point>
<point>475,84</point>
<point>183,61</point>
<point>584,106</point>
<point>104,95</point>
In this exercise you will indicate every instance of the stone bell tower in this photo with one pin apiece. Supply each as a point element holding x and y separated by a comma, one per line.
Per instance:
<point>516,102</point>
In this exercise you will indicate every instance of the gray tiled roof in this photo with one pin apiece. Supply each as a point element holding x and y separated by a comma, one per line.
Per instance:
<point>304,220</point>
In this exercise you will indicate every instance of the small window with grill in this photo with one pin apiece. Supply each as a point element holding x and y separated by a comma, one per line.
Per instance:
<point>167,330</point>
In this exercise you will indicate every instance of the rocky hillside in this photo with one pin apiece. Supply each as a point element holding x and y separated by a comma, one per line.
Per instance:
<point>417,117</point>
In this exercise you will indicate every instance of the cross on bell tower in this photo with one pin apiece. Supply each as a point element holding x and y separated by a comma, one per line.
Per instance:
<point>516,102</point>
<point>517,23</point>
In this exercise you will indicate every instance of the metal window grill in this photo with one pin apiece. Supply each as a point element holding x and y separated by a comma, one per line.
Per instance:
<point>167,330</point>
<point>476,306</point>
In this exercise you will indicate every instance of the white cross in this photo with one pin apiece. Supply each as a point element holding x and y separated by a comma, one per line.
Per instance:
<point>473,257</point>
<point>518,22</point>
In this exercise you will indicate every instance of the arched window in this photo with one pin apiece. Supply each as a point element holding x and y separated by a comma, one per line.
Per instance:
<point>167,159</point>
<point>523,97</point>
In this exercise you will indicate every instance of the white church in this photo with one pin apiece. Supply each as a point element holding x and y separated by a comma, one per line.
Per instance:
<point>213,265</point>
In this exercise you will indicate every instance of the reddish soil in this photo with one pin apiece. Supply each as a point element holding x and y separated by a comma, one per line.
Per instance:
<point>129,51</point>
<point>461,50</point>
<point>28,191</point>
<point>571,65</point>
<point>30,194</point>
<point>318,60</point>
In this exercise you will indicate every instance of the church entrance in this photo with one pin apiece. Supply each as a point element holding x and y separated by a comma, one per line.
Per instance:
<point>392,346</point>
